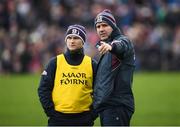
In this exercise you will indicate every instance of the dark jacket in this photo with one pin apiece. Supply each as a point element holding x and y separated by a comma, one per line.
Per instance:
<point>47,80</point>
<point>113,82</point>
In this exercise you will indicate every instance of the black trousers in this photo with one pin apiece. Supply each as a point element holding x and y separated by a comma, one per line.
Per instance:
<point>117,116</point>
<point>78,119</point>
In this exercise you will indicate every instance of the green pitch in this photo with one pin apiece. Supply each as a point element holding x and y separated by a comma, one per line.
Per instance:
<point>156,96</point>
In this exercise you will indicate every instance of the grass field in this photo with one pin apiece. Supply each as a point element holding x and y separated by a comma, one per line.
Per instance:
<point>156,96</point>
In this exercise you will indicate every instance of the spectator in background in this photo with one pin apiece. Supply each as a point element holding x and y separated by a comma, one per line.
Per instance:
<point>66,84</point>
<point>4,15</point>
<point>113,96</point>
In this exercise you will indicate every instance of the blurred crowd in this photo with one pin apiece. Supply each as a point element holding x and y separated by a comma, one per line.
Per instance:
<point>32,31</point>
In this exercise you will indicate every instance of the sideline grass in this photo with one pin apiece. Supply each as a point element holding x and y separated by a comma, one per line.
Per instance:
<point>157,99</point>
<point>19,103</point>
<point>156,96</point>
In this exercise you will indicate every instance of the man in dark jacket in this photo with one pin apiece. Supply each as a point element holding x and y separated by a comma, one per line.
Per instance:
<point>113,97</point>
<point>66,84</point>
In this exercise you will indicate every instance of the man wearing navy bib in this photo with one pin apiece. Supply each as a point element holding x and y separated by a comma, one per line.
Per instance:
<point>113,95</point>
